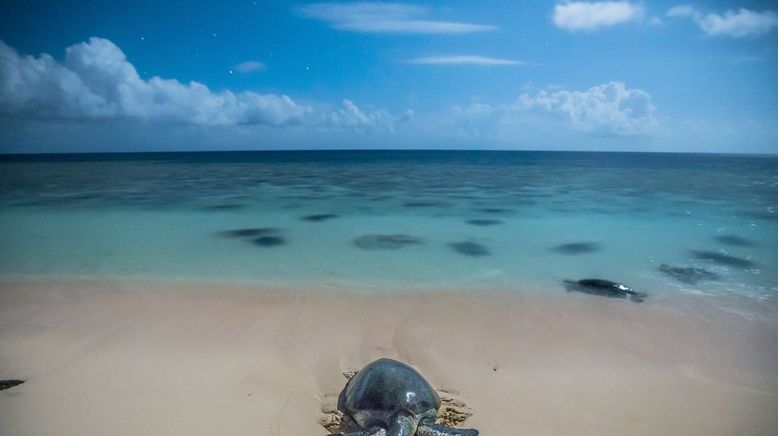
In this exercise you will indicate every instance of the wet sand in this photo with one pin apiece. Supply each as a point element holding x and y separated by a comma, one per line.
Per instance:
<point>182,359</point>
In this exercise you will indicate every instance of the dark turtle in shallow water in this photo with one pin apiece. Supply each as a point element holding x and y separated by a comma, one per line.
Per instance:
<point>605,288</point>
<point>389,398</point>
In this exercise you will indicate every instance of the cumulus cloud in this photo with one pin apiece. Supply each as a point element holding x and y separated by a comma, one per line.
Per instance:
<point>735,24</point>
<point>95,80</point>
<point>610,108</point>
<point>379,17</point>
<point>250,67</point>
<point>351,117</point>
<point>463,60</point>
<point>576,16</point>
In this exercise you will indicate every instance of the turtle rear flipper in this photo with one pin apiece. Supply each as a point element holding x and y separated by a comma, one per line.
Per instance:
<point>570,285</point>
<point>637,297</point>
<point>372,431</point>
<point>442,430</point>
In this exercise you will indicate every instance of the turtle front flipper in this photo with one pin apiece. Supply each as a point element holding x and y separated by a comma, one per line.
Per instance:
<point>442,430</point>
<point>372,431</point>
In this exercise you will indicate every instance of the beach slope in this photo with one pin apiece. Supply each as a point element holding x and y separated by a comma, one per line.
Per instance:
<point>104,358</point>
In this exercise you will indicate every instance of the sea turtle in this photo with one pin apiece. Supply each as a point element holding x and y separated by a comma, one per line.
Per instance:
<point>389,398</point>
<point>605,288</point>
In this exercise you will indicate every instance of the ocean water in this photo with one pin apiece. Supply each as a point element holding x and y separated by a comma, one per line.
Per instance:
<point>378,220</point>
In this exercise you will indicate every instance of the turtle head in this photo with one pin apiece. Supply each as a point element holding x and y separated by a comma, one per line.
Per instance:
<point>637,297</point>
<point>403,424</point>
<point>432,429</point>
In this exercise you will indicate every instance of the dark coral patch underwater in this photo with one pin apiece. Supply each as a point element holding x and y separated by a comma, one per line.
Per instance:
<point>269,241</point>
<point>386,242</point>
<point>470,248</point>
<point>735,241</point>
<point>249,232</point>
<point>577,248</point>
<point>496,210</point>
<point>723,259</point>
<point>689,275</point>
<point>319,217</point>
<point>223,207</point>
<point>483,222</point>
<point>421,204</point>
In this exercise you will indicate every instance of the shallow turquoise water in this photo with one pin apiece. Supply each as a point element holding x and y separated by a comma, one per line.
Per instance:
<point>163,216</point>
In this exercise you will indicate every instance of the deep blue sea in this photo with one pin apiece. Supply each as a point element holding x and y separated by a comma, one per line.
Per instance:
<point>373,220</point>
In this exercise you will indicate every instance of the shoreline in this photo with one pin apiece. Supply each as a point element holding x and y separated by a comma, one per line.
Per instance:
<point>108,357</point>
<point>745,305</point>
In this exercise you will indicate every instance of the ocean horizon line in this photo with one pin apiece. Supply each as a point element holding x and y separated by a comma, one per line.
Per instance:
<point>312,151</point>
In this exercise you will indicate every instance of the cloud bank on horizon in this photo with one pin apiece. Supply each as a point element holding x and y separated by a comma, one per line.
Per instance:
<point>95,80</point>
<point>71,104</point>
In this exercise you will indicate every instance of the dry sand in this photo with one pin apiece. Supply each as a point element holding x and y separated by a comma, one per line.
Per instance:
<point>163,359</point>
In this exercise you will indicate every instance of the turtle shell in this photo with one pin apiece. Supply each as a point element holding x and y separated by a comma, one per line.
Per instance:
<point>385,387</point>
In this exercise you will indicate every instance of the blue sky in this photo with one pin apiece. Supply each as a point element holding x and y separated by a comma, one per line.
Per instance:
<point>635,76</point>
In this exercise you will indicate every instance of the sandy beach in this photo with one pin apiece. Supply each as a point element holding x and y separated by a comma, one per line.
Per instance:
<point>108,358</point>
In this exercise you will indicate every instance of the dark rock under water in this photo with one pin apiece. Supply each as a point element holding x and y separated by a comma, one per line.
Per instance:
<point>419,204</point>
<point>386,242</point>
<point>469,248</point>
<point>723,259</point>
<point>319,217</point>
<point>689,275</point>
<point>483,222</point>
<point>735,241</point>
<point>249,233</point>
<point>223,207</point>
<point>577,248</point>
<point>269,241</point>
<point>496,210</point>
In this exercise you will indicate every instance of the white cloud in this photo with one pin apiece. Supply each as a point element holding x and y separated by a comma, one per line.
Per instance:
<point>463,60</point>
<point>250,67</point>
<point>681,11</point>
<point>95,80</point>
<point>575,16</point>
<point>610,108</point>
<point>736,24</point>
<point>379,17</point>
<point>351,117</point>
